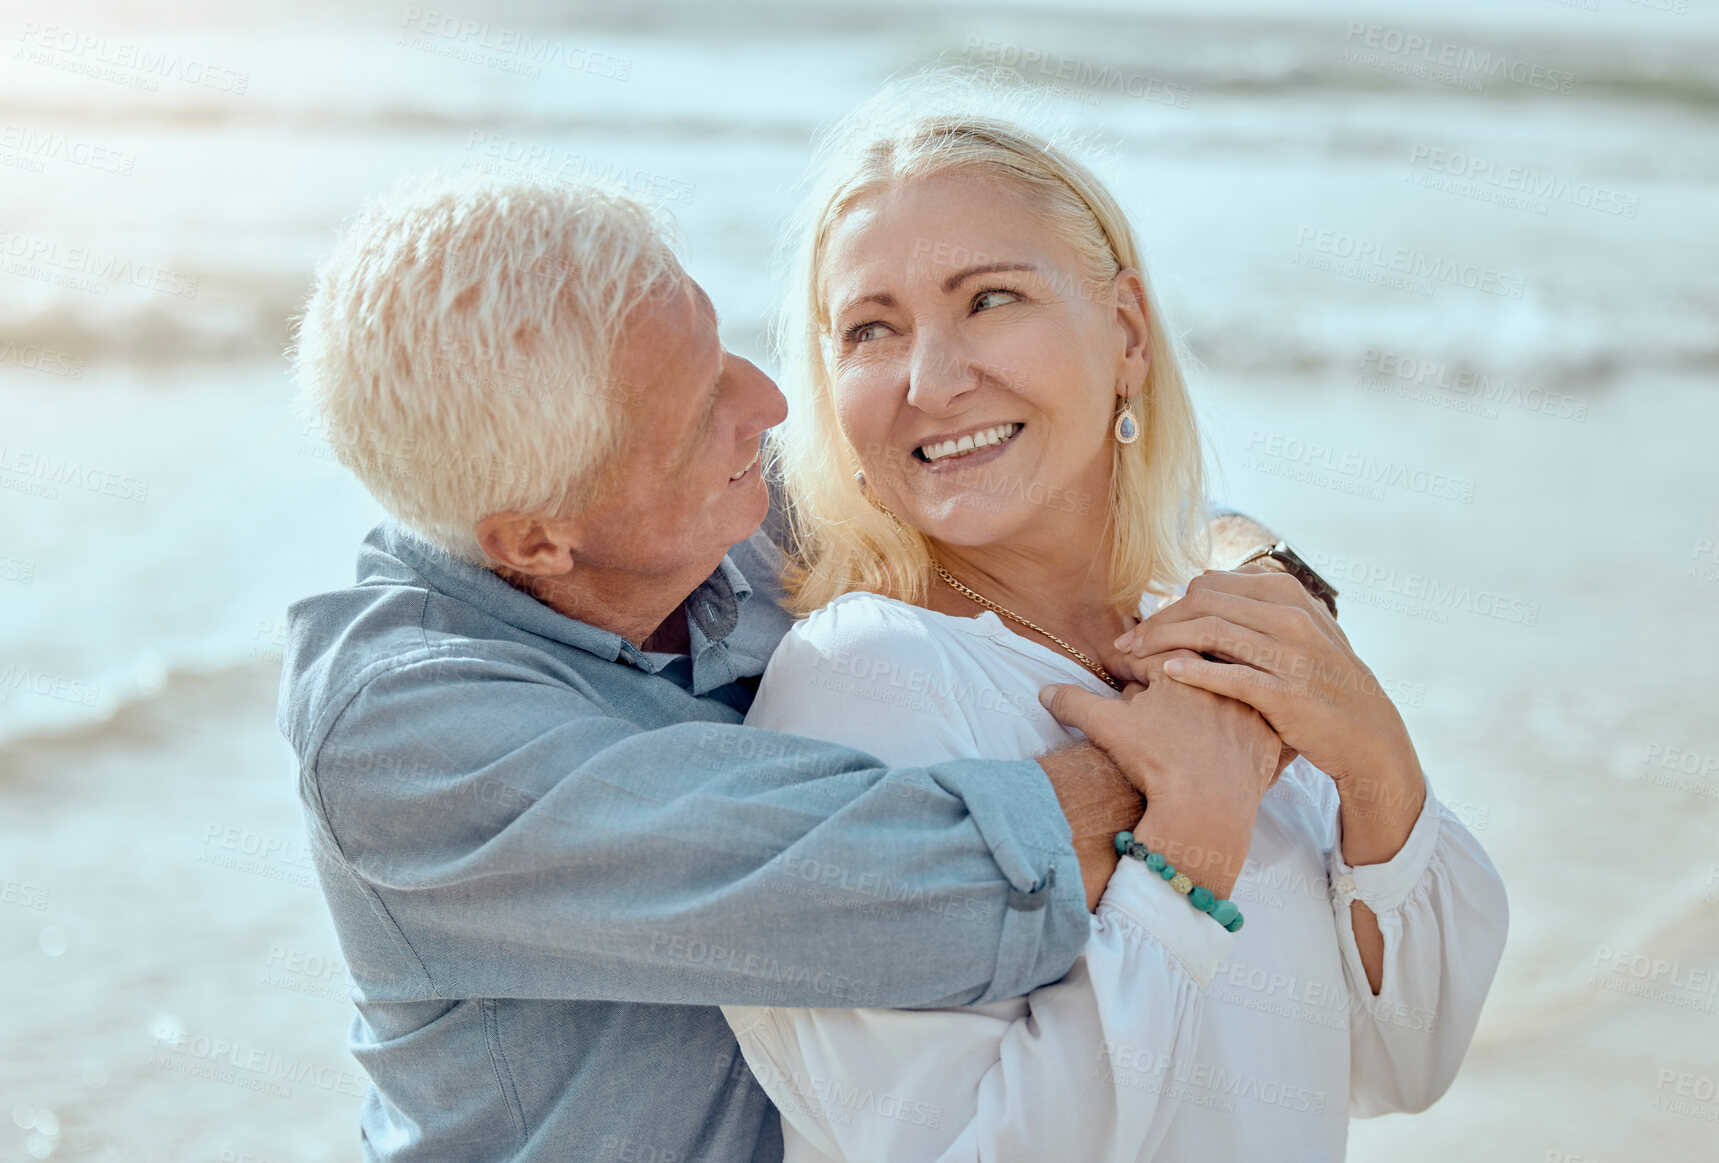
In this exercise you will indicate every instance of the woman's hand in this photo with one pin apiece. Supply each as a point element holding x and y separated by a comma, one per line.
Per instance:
<point>1280,651</point>
<point>1202,761</point>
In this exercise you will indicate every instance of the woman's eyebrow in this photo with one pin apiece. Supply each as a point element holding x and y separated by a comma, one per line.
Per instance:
<point>959,277</point>
<point>886,300</point>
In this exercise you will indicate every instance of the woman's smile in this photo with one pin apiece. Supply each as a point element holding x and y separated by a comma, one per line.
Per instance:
<point>967,449</point>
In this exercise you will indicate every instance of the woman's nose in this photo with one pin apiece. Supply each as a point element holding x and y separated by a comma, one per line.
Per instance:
<point>938,374</point>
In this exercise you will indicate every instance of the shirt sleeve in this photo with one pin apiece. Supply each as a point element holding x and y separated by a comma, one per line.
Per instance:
<point>511,835</point>
<point>1082,1069</point>
<point>1443,913</point>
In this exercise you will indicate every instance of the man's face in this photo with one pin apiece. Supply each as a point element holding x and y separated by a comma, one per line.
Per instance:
<point>691,478</point>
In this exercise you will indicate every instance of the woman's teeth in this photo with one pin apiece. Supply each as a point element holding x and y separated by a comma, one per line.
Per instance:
<point>932,453</point>
<point>745,470</point>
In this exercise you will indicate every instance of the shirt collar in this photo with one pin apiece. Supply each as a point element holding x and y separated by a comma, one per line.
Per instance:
<point>713,608</point>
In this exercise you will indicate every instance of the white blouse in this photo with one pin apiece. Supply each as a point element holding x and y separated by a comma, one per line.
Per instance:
<point>1170,1038</point>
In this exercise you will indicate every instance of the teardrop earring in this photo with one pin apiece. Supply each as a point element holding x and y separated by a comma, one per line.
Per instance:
<point>859,483</point>
<point>1127,430</point>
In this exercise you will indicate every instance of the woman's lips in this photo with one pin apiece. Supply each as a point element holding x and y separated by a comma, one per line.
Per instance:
<point>974,459</point>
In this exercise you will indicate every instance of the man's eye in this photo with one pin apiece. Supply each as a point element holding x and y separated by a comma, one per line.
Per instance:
<point>986,299</point>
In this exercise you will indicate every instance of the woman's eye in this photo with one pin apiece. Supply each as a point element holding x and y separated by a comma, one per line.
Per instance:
<point>993,298</point>
<point>863,332</point>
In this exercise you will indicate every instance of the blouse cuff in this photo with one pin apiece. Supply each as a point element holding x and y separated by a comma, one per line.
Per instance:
<point>1197,942</point>
<point>1382,887</point>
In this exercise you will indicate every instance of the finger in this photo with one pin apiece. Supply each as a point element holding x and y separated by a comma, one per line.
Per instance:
<point>1077,707</point>
<point>1244,684</point>
<point>1126,667</point>
<point>1290,625</point>
<point>1272,586</point>
<point>1213,636</point>
<point>1147,669</point>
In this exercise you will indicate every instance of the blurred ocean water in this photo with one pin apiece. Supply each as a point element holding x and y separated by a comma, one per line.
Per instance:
<point>1448,272</point>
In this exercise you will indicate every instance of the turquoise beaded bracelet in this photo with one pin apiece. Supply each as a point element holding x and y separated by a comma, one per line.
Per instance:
<point>1223,912</point>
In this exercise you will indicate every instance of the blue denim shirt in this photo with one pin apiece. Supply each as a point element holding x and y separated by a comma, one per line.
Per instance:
<point>550,855</point>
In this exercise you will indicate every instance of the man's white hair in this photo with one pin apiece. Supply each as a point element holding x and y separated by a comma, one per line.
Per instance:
<point>459,345</point>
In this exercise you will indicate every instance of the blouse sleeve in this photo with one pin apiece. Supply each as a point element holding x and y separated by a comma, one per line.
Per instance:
<point>1080,1069</point>
<point>1443,913</point>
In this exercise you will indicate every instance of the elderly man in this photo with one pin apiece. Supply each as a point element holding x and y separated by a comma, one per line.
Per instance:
<point>549,847</point>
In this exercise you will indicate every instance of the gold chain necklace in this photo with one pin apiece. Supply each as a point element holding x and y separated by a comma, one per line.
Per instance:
<point>1010,614</point>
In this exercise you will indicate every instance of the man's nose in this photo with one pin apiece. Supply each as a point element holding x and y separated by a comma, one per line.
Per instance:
<point>765,407</point>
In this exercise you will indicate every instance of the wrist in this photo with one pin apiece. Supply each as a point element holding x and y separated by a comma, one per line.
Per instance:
<point>1377,815</point>
<point>1210,846</point>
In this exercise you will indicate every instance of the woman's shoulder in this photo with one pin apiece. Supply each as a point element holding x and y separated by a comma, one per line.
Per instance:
<point>862,620</point>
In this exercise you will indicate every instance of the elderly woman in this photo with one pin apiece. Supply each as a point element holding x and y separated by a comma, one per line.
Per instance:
<point>992,460</point>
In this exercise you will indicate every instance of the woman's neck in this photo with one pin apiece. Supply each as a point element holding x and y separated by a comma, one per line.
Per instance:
<point>1066,596</point>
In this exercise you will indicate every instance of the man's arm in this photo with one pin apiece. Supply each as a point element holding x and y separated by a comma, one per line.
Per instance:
<point>1098,802</point>
<point>523,843</point>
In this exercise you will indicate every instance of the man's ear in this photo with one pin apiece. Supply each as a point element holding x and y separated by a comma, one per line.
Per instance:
<point>536,544</point>
<point>1134,321</point>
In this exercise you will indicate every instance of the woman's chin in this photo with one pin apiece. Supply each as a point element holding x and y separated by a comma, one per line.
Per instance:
<point>972,519</point>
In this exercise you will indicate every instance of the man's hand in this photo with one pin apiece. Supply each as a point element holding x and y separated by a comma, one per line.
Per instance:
<point>1202,761</point>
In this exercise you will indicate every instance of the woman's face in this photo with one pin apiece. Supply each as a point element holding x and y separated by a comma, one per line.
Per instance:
<point>959,317</point>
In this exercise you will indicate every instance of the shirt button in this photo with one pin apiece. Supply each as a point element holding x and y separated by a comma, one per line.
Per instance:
<point>1344,885</point>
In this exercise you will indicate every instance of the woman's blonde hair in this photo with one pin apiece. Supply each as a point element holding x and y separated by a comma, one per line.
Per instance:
<point>840,541</point>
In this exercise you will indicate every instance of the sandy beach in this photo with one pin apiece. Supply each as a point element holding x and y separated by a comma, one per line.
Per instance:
<point>1502,454</point>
